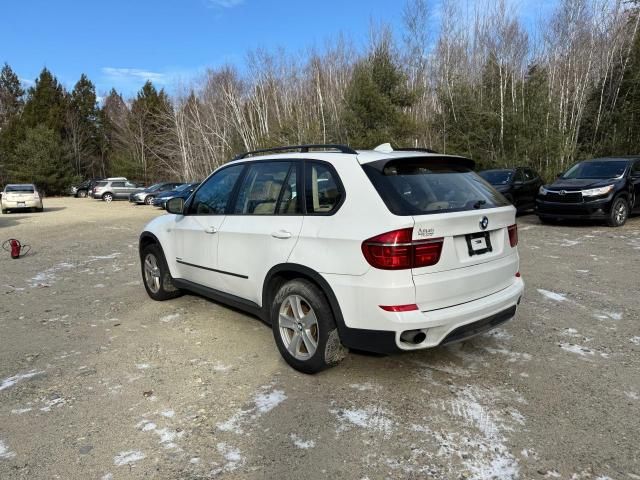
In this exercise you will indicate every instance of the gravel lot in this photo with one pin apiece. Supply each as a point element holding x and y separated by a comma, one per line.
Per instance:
<point>99,382</point>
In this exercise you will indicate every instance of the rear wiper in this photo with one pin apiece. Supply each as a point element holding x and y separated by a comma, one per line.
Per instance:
<point>479,203</point>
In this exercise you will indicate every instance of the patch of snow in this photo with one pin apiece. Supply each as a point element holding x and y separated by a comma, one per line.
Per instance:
<point>499,333</point>
<point>569,243</point>
<point>5,453</point>
<point>582,271</point>
<point>124,458</point>
<point>613,315</point>
<point>55,402</point>
<point>500,462</point>
<point>11,381</point>
<point>265,402</point>
<point>578,349</point>
<point>99,285</point>
<point>220,367</point>
<point>168,413</point>
<point>303,444</point>
<point>363,387</point>
<point>169,318</point>
<point>372,418</point>
<point>632,395</point>
<point>512,356</point>
<point>232,456</point>
<point>194,460</point>
<point>142,366</point>
<point>635,340</point>
<point>558,297</point>
<point>20,411</point>
<point>570,332</point>
<point>107,476</point>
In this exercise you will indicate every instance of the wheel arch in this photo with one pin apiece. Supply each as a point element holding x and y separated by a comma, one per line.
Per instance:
<point>282,273</point>
<point>146,239</point>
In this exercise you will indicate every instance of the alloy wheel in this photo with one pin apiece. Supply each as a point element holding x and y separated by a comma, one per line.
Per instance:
<point>152,273</point>
<point>620,212</point>
<point>298,327</point>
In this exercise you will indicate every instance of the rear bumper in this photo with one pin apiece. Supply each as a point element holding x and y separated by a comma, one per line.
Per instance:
<point>442,326</point>
<point>15,205</point>
<point>593,210</point>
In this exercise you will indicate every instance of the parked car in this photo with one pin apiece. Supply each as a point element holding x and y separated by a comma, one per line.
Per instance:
<point>183,191</point>
<point>598,189</point>
<point>81,190</point>
<point>21,197</point>
<point>110,190</point>
<point>92,187</point>
<point>519,185</point>
<point>375,250</point>
<point>147,195</point>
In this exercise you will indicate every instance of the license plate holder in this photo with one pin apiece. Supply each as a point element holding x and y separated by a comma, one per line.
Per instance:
<point>478,243</point>
<point>22,204</point>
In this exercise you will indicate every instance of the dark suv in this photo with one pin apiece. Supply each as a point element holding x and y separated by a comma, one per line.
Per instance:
<point>601,188</point>
<point>519,185</point>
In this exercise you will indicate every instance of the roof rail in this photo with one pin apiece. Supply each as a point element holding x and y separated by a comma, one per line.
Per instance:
<point>416,149</point>
<point>301,148</point>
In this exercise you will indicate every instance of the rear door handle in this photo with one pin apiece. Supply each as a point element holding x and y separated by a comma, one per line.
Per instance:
<point>283,234</point>
<point>211,230</point>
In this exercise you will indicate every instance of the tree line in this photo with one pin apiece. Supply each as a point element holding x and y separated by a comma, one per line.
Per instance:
<point>486,85</point>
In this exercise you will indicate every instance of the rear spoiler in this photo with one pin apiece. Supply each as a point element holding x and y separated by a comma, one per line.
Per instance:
<point>443,160</point>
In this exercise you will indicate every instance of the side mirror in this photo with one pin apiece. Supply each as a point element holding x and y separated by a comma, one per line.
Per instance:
<point>175,205</point>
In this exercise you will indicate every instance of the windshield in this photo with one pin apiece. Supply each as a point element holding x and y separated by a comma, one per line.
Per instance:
<point>154,187</point>
<point>417,187</point>
<point>20,188</point>
<point>595,170</point>
<point>180,188</point>
<point>497,177</point>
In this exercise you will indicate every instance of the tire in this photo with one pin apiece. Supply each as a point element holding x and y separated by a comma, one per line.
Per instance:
<point>159,285</point>
<point>618,213</point>
<point>5,211</point>
<point>41,209</point>
<point>107,197</point>
<point>149,199</point>
<point>81,194</point>
<point>295,338</point>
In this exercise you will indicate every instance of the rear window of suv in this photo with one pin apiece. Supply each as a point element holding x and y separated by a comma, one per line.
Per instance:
<point>419,186</point>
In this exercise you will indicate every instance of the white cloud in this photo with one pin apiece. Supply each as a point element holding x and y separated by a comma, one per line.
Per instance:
<point>225,3</point>
<point>128,74</point>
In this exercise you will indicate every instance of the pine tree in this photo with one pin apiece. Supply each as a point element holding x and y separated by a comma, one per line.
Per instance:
<point>81,125</point>
<point>375,100</point>
<point>39,159</point>
<point>46,103</point>
<point>11,95</point>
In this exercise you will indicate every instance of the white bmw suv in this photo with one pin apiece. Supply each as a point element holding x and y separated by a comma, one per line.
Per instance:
<point>376,250</point>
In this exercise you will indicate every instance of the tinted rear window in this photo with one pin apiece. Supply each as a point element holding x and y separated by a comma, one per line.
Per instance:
<point>20,188</point>
<point>101,184</point>
<point>497,177</point>
<point>424,186</point>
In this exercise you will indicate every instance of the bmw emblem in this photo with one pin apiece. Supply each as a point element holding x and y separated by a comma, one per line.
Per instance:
<point>484,223</point>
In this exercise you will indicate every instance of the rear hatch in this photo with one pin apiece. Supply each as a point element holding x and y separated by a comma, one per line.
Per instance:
<point>19,193</point>
<point>454,208</point>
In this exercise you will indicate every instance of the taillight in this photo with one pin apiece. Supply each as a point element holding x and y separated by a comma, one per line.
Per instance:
<point>397,251</point>
<point>513,235</point>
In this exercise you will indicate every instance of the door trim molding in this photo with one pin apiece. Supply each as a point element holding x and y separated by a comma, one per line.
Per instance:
<point>178,260</point>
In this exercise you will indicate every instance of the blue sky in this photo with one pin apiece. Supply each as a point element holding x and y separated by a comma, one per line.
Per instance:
<point>121,43</point>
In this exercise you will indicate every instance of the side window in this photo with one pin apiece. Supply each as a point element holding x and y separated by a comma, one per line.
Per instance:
<point>519,176</point>
<point>212,197</point>
<point>129,185</point>
<point>117,184</point>
<point>635,169</point>
<point>260,189</point>
<point>528,175</point>
<point>322,189</point>
<point>289,199</point>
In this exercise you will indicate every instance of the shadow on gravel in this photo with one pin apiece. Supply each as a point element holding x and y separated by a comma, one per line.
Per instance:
<point>8,220</point>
